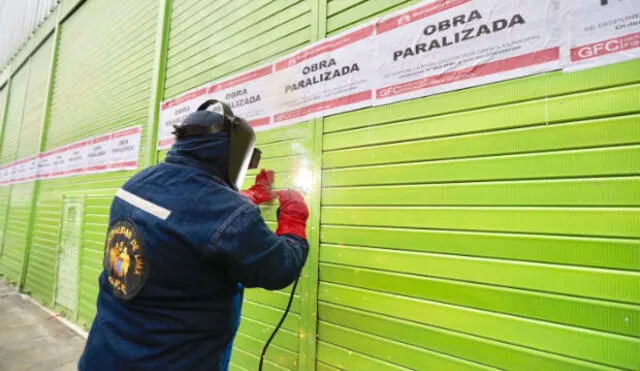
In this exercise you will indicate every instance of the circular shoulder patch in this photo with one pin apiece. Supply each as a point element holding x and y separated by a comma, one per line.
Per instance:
<point>124,260</point>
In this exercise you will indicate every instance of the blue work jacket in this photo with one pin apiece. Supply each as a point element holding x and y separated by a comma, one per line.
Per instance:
<point>181,246</point>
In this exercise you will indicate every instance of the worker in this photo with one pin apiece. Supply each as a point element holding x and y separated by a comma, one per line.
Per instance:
<point>182,244</point>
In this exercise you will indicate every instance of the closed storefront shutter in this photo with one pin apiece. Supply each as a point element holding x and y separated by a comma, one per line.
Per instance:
<point>491,228</point>
<point>102,84</point>
<point>212,40</point>
<point>69,248</point>
<point>22,194</point>
<point>285,151</point>
<point>14,238</point>
<point>13,119</point>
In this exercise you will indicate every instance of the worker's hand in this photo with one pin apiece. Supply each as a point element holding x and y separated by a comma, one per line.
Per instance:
<point>260,191</point>
<point>292,214</point>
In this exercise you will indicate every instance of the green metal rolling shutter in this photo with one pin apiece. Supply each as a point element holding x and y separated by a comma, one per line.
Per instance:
<point>210,40</point>
<point>284,150</point>
<point>13,120</point>
<point>35,100</point>
<point>343,14</point>
<point>13,239</point>
<point>490,228</point>
<point>20,206</point>
<point>102,84</point>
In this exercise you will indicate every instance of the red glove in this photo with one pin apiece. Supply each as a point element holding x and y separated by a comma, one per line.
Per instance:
<point>292,214</point>
<point>260,192</point>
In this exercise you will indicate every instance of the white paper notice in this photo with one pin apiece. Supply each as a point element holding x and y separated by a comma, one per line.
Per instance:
<point>175,110</point>
<point>5,175</point>
<point>12,173</point>
<point>32,169</point>
<point>77,158</point>
<point>58,162</point>
<point>109,152</point>
<point>453,44</point>
<point>98,153</point>
<point>247,95</point>
<point>331,76</point>
<point>600,32</point>
<point>20,171</point>
<point>125,146</point>
<point>45,165</point>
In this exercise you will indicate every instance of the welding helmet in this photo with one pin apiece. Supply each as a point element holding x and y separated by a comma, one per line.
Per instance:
<point>242,139</point>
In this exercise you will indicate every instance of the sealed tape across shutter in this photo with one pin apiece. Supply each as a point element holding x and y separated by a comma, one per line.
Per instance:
<point>213,39</point>
<point>495,226</point>
<point>68,252</point>
<point>102,84</point>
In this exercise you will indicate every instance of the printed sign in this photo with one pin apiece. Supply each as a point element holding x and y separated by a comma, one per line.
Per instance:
<point>5,174</point>
<point>45,165</point>
<point>59,162</point>
<point>453,44</point>
<point>25,170</point>
<point>600,32</point>
<point>125,146</point>
<point>247,96</point>
<point>76,158</point>
<point>32,169</point>
<point>328,77</point>
<point>174,111</point>
<point>433,47</point>
<point>109,152</point>
<point>20,171</point>
<point>98,153</point>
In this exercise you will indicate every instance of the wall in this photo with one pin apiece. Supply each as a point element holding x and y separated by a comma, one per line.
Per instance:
<point>488,228</point>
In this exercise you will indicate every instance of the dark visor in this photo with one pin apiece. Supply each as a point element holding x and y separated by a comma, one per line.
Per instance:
<point>255,159</point>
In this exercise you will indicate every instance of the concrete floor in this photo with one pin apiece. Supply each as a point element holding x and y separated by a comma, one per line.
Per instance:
<point>31,340</point>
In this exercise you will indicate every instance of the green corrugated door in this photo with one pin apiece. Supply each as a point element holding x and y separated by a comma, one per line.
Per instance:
<point>490,228</point>
<point>69,250</point>
<point>102,83</point>
<point>13,238</point>
<point>213,39</point>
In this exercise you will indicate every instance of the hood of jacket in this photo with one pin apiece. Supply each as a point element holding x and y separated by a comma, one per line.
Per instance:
<point>207,152</point>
